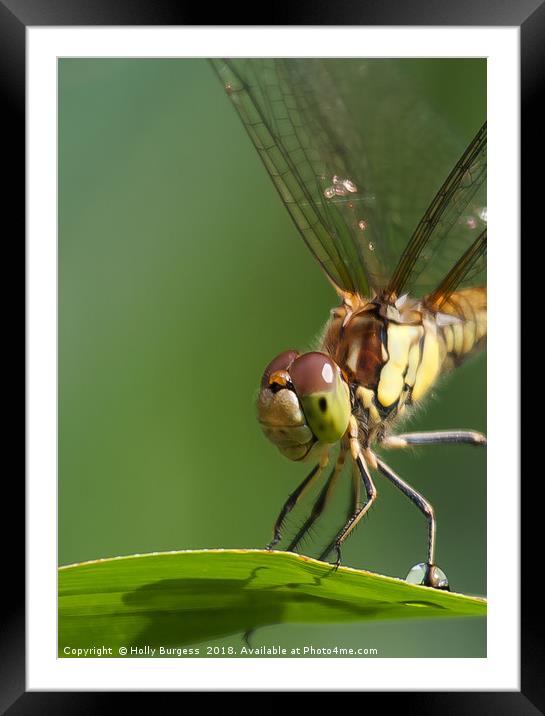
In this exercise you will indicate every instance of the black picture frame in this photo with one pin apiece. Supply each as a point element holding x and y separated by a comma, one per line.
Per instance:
<point>529,15</point>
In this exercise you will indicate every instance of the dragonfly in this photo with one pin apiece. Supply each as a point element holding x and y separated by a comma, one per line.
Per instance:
<point>340,140</point>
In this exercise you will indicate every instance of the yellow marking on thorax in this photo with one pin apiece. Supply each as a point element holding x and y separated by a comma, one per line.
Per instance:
<point>430,363</point>
<point>400,340</point>
<point>413,361</point>
<point>367,397</point>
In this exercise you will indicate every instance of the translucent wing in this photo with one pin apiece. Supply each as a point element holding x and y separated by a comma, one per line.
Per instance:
<point>354,152</point>
<point>280,124</point>
<point>449,226</point>
<point>469,266</point>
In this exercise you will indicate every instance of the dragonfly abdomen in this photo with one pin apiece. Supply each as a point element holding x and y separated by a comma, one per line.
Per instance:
<point>467,331</point>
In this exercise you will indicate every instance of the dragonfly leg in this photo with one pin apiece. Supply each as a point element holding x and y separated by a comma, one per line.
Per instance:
<point>321,502</point>
<point>471,437</point>
<point>370,491</point>
<point>356,502</point>
<point>294,497</point>
<point>422,504</point>
<point>354,507</point>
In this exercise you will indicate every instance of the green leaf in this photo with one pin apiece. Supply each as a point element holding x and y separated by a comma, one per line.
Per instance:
<point>183,598</point>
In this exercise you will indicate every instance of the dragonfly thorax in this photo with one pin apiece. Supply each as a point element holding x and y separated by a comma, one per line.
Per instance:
<point>392,353</point>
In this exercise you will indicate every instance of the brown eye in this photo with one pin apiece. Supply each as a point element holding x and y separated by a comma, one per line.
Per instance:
<point>313,373</point>
<point>281,362</point>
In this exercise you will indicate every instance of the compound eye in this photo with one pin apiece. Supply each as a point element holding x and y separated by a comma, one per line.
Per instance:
<point>313,373</point>
<point>282,362</point>
<point>323,394</point>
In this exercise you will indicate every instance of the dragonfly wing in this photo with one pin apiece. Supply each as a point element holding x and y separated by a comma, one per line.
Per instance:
<point>470,267</point>
<point>354,152</point>
<point>451,233</point>
<point>277,121</point>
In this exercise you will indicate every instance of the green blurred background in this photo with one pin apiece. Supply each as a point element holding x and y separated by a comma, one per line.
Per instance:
<point>171,303</point>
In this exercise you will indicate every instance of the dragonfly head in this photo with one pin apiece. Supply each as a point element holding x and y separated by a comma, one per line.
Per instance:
<point>303,403</point>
